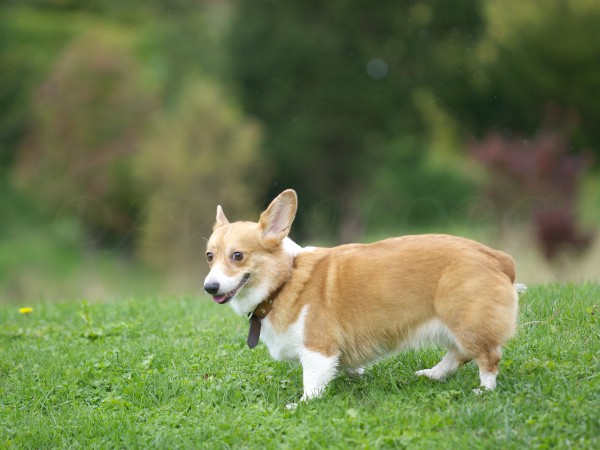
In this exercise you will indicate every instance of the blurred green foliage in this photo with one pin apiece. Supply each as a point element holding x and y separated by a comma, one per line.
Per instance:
<point>129,121</point>
<point>88,117</point>
<point>536,64</point>
<point>337,86</point>
<point>29,42</point>
<point>204,153</point>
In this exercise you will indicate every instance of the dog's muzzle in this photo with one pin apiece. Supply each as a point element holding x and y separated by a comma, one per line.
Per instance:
<point>214,287</point>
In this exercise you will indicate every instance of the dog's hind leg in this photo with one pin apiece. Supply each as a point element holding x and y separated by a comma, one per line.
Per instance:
<point>448,365</point>
<point>488,368</point>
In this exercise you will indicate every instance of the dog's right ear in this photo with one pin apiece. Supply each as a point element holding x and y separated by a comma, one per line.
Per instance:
<point>221,219</point>
<point>277,219</point>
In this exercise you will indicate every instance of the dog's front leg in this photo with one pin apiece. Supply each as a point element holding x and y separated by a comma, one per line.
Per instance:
<point>317,371</point>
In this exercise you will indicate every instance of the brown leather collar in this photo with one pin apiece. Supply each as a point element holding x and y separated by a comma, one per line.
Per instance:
<point>260,313</point>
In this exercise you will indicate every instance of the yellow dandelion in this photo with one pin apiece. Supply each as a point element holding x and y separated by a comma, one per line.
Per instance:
<point>25,310</point>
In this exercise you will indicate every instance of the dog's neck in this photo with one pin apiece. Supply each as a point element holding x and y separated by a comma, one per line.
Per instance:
<point>260,313</point>
<point>265,306</point>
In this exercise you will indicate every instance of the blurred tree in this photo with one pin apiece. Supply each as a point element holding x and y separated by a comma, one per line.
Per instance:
<point>13,104</point>
<point>418,192</point>
<point>201,154</point>
<point>89,115</point>
<point>113,7</point>
<point>170,39</point>
<point>334,82</point>
<point>186,43</point>
<point>29,42</point>
<point>537,61</point>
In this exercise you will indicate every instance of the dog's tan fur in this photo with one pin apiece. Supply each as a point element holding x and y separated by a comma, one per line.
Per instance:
<point>363,301</point>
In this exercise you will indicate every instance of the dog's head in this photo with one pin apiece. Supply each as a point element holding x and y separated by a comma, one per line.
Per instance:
<point>249,260</point>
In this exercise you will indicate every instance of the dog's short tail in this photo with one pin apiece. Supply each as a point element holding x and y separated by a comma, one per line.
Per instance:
<point>520,288</point>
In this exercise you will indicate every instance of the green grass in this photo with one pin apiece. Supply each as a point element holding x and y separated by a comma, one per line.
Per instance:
<point>175,373</point>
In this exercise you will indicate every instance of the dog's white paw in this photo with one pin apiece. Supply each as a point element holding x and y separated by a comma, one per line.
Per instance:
<point>483,390</point>
<point>430,373</point>
<point>291,406</point>
<point>356,373</point>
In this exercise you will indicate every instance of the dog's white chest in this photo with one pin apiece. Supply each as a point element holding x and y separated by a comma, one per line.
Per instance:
<point>286,345</point>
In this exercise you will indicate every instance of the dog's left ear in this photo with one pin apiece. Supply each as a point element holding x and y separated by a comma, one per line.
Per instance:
<point>277,219</point>
<point>221,219</point>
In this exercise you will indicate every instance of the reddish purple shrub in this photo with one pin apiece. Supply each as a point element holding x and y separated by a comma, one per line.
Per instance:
<point>543,172</point>
<point>557,232</point>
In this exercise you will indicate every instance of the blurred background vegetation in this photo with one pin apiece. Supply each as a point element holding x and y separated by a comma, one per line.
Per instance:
<point>124,124</point>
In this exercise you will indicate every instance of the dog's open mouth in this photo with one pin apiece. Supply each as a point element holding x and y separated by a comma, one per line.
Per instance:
<point>224,298</point>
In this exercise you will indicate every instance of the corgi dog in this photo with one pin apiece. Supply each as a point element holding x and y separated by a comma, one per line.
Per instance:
<point>341,308</point>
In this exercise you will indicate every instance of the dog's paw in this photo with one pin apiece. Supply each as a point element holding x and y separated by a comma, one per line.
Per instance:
<point>482,390</point>
<point>291,406</point>
<point>431,374</point>
<point>355,373</point>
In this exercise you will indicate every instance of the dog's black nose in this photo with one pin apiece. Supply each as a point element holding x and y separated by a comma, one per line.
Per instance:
<point>212,288</point>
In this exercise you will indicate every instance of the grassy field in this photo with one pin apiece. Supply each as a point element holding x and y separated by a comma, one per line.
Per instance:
<point>175,373</point>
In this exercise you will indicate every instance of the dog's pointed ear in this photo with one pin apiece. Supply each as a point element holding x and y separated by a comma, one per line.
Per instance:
<point>277,219</point>
<point>221,219</point>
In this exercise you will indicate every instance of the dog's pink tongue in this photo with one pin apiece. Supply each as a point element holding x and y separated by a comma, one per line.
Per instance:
<point>219,298</point>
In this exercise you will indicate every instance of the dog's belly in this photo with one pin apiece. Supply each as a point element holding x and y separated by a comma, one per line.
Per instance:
<point>366,348</point>
<point>432,332</point>
<point>285,346</point>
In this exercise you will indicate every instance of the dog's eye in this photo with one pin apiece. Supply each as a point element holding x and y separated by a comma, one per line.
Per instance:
<point>237,256</point>
<point>209,256</point>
